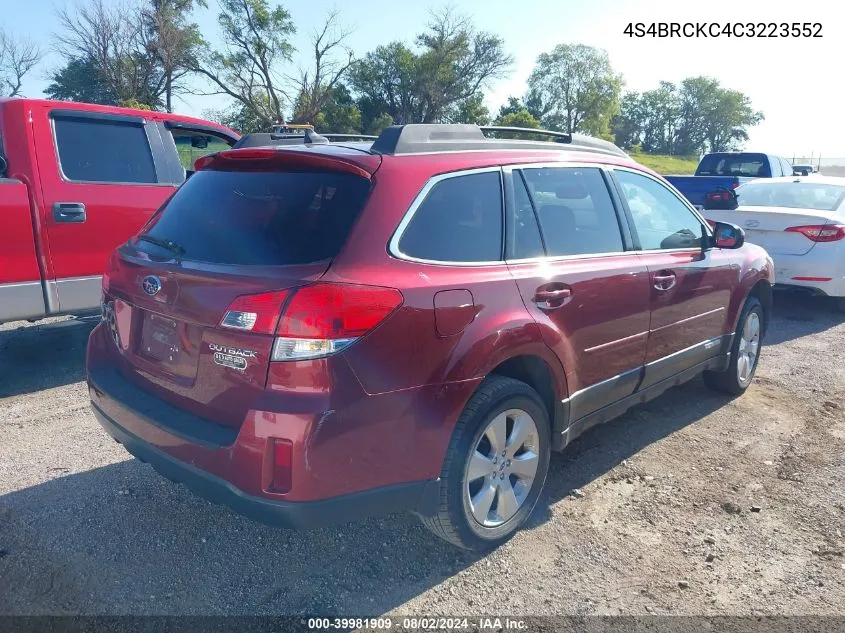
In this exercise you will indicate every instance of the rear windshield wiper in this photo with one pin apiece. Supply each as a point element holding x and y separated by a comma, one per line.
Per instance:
<point>169,245</point>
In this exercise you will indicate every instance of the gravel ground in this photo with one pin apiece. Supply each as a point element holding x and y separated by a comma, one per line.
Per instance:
<point>692,504</point>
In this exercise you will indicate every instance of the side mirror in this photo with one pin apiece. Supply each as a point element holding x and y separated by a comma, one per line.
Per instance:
<point>199,142</point>
<point>727,235</point>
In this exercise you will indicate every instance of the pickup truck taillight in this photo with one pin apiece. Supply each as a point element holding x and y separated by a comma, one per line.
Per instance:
<point>317,321</point>
<point>820,232</point>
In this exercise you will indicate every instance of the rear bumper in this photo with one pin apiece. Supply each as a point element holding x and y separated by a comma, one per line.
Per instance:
<point>418,497</point>
<point>811,269</point>
<point>353,453</point>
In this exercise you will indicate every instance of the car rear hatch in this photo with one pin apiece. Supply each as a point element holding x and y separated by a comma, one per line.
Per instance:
<point>195,298</point>
<point>768,227</point>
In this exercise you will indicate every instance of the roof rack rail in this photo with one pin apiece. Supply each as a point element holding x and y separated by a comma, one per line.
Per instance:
<point>310,137</point>
<point>269,139</point>
<point>417,138</point>
<point>349,137</point>
<point>565,137</point>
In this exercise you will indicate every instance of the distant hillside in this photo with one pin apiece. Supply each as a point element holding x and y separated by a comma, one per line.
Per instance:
<point>668,165</point>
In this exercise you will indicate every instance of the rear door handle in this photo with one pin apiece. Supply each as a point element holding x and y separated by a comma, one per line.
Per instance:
<point>551,299</point>
<point>664,281</point>
<point>69,212</point>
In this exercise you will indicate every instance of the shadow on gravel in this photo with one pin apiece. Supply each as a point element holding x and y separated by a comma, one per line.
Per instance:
<point>36,357</point>
<point>604,447</point>
<point>796,315</point>
<point>121,539</point>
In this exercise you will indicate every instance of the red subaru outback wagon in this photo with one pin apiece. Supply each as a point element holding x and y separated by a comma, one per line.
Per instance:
<point>319,332</point>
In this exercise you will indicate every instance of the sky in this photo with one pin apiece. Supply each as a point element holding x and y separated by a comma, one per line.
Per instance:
<point>797,83</point>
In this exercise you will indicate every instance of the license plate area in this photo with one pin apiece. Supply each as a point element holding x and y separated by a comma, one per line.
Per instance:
<point>160,338</point>
<point>171,345</point>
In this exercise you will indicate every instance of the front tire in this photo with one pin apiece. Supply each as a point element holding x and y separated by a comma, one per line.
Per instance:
<point>745,352</point>
<point>495,466</point>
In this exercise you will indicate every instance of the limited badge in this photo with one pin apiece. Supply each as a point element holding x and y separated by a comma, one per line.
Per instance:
<point>232,357</point>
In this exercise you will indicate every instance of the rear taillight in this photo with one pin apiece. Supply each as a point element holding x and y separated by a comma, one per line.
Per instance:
<point>323,319</point>
<point>319,320</point>
<point>719,196</point>
<point>255,313</point>
<point>820,232</point>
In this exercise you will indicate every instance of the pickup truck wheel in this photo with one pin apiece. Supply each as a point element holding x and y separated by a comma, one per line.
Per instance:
<point>745,352</point>
<point>495,466</point>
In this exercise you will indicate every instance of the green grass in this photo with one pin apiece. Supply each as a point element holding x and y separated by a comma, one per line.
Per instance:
<point>668,165</point>
<point>188,154</point>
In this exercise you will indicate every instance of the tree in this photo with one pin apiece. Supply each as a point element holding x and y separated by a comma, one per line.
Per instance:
<point>521,118</point>
<point>255,45</point>
<point>662,108</point>
<point>340,115</point>
<point>239,117</point>
<point>731,117</point>
<point>694,116</point>
<point>80,80</point>
<point>627,126</point>
<point>316,86</point>
<point>173,41</point>
<point>378,124</point>
<point>441,81</point>
<point>18,56</point>
<point>471,110</point>
<point>115,41</point>
<point>574,89</point>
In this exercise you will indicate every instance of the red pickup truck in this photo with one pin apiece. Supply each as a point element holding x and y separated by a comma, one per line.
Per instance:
<point>76,181</point>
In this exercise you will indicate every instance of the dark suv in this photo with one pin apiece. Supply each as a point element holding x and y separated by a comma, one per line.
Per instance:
<point>321,332</point>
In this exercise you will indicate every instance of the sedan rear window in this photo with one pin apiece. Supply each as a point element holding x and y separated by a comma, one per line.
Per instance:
<point>261,218</point>
<point>793,195</point>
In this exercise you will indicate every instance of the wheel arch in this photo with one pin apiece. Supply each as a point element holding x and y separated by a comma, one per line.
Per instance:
<point>762,290</point>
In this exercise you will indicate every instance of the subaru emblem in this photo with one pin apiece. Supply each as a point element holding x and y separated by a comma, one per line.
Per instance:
<point>151,285</point>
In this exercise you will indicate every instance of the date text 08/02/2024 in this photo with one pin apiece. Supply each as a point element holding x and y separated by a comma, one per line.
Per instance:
<point>728,29</point>
<point>419,623</point>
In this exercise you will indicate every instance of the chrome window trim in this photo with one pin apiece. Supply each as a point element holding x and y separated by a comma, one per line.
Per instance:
<point>393,246</point>
<point>667,185</point>
<point>566,258</point>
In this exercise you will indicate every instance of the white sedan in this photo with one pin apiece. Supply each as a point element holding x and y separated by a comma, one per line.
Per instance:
<point>800,221</point>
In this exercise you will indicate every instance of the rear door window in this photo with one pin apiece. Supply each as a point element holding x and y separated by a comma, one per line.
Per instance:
<point>576,212</point>
<point>460,220</point>
<point>262,218</point>
<point>104,151</point>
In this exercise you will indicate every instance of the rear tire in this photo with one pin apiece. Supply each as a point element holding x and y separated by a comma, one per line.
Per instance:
<point>745,352</point>
<point>495,466</point>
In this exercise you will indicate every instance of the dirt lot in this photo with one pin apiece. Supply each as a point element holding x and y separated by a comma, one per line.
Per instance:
<point>693,504</point>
